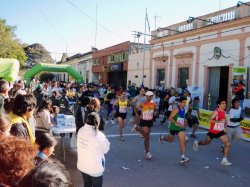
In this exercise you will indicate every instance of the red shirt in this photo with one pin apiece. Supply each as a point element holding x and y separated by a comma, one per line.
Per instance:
<point>240,87</point>
<point>216,128</point>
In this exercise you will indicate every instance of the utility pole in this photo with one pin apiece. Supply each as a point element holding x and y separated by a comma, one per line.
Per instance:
<point>220,4</point>
<point>95,25</point>
<point>155,17</point>
<point>66,46</point>
<point>144,48</point>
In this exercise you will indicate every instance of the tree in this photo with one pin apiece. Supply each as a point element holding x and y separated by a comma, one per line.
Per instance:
<point>10,46</point>
<point>36,53</point>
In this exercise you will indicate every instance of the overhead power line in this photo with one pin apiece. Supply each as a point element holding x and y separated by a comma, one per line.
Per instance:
<point>48,22</point>
<point>92,19</point>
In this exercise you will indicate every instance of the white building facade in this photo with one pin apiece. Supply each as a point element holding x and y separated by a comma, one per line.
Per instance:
<point>136,67</point>
<point>205,52</point>
<point>82,63</point>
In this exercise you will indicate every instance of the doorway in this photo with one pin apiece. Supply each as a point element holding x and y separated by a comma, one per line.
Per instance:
<point>217,85</point>
<point>160,77</point>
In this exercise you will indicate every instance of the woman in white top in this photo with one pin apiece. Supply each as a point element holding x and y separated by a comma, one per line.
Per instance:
<point>43,118</point>
<point>92,145</point>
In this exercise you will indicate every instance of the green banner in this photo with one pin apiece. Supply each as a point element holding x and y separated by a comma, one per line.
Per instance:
<point>240,70</point>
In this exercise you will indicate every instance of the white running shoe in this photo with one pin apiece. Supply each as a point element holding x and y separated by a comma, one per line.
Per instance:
<point>184,159</point>
<point>226,163</point>
<point>148,155</point>
<point>196,145</point>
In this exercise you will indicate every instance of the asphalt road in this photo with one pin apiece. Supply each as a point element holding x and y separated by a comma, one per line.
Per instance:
<point>126,165</point>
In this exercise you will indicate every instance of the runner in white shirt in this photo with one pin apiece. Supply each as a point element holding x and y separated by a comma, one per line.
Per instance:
<point>233,128</point>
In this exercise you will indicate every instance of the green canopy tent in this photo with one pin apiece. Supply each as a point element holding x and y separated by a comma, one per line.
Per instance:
<point>52,68</point>
<point>9,69</point>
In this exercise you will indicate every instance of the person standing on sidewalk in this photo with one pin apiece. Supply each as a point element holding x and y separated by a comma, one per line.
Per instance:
<point>177,127</point>
<point>92,145</point>
<point>218,122</point>
<point>238,90</point>
<point>146,120</point>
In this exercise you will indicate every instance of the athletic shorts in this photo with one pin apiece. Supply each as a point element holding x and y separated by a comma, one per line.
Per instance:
<point>144,123</point>
<point>192,122</point>
<point>234,133</point>
<point>212,135</point>
<point>175,132</point>
<point>121,115</point>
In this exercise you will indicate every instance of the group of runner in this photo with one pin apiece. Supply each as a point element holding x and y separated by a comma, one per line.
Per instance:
<point>182,112</point>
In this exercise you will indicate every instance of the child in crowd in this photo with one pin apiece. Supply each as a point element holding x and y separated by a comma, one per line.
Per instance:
<point>46,145</point>
<point>53,114</point>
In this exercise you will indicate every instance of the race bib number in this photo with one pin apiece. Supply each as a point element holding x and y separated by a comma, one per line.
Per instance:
<point>194,113</point>
<point>122,109</point>
<point>219,126</point>
<point>181,121</point>
<point>147,115</point>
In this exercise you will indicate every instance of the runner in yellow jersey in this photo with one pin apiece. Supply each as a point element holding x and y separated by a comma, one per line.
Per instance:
<point>121,114</point>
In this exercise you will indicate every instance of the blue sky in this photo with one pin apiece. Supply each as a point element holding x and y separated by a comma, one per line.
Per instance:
<point>60,23</point>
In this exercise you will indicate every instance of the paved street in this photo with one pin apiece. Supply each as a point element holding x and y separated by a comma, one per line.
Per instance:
<point>126,165</point>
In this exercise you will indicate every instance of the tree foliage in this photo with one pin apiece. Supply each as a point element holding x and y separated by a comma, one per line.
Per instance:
<point>46,76</point>
<point>10,46</point>
<point>36,53</point>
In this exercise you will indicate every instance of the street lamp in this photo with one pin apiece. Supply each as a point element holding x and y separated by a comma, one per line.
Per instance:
<point>191,19</point>
<point>239,3</point>
<point>138,34</point>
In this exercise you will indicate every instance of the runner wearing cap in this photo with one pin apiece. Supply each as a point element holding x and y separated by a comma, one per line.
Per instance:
<point>218,122</point>
<point>177,127</point>
<point>146,120</point>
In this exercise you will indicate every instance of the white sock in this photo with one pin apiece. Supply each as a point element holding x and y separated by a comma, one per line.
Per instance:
<point>224,159</point>
<point>182,156</point>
